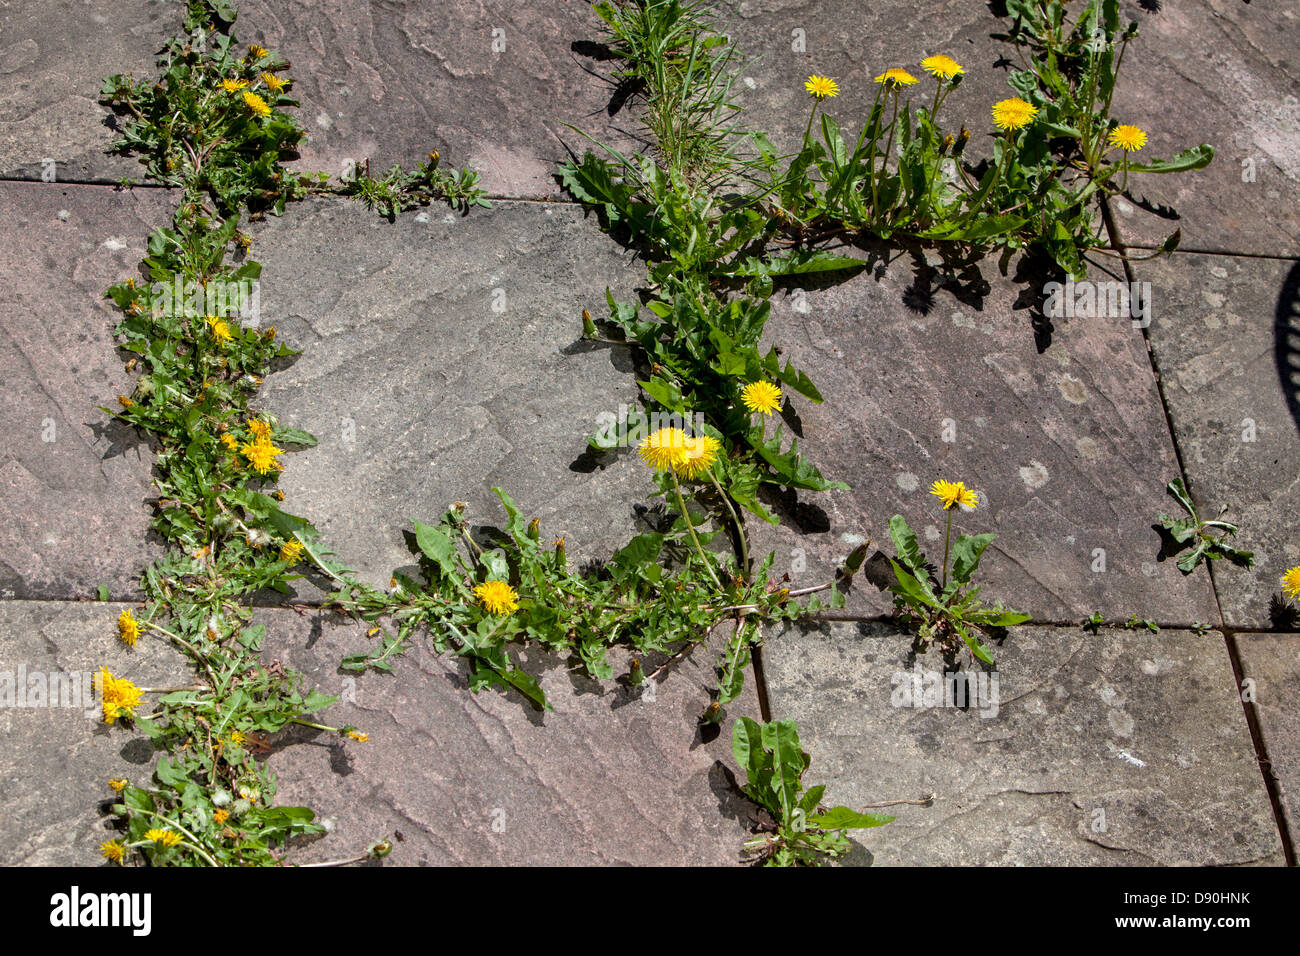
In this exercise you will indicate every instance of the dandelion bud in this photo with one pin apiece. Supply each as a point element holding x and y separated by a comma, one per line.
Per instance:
<point>434,158</point>
<point>635,674</point>
<point>534,528</point>
<point>588,326</point>
<point>380,850</point>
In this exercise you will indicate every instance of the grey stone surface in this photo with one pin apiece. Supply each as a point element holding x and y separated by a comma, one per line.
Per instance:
<point>422,393</point>
<point>55,762</point>
<point>1226,338</point>
<point>54,56</point>
<point>73,512</point>
<point>609,777</point>
<point>1068,445</point>
<point>1224,73</point>
<point>1117,749</point>
<point>1272,662</point>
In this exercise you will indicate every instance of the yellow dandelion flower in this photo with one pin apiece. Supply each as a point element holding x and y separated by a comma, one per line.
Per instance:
<point>125,402</point>
<point>665,450</point>
<point>821,87</point>
<point>761,397</point>
<point>128,628</point>
<point>261,455</point>
<point>497,597</point>
<point>117,784</point>
<point>119,696</point>
<point>941,67</point>
<point>1013,113</point>
<point>291,551</point>
<point>357,736</point>
<point>230,441</point>
<point>220,816</point>
<point>1128,138</point>
<point>233,86</point>
<point>273,82</point>
<point>163,837</point>
<point>112,850</point>
<point>954,493</point>
<point>1291,582</point>
<point>220,329</point>
<point>259,429</point>
<point>237,738</point>
<point>256,104</point>
<point>700,453</point>
<point>256,52</point>
<point>896,77</point>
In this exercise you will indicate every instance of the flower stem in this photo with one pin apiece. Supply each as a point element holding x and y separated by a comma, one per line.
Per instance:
<point>946,536</point>
<point>686,516</point>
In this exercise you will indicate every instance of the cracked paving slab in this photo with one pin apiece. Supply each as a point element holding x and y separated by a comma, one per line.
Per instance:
<point>1109,749</point>
<point>1226,337</point>
<point>1057,425</point>
<point>56,761</point>
<point>73,514</point>
<point>612,776</point>
<point>441,359</point>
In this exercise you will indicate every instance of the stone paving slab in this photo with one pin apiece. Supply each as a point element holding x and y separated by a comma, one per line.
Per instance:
<point>1068,446</point>
<point>73,512</point>
<point>55,762</point>
<point>1222,72</point>
<point>54,56</point>
<point>441,359</point>
<point>1272,661</point>
<point>1117,749</point>
<point>608,777</point>
<point>1226,338</point>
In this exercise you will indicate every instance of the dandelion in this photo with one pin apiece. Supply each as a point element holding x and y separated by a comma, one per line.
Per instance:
<point>259,429</point>
<point>941,67</point>
<point>230,441</point>
<point>163,837</point>
<point>220,816</point>
<point>119,696</point>
<point>128,628</point>
<point>112,850</point>
<point>700,453</point>
<point>1128,138</point>
<point>665,450</point>
<point>761,397</point>
<point>233,86</point>
<point>257,538</point>
<point>291,552</point>
<point>256,104</point>
<point>261,455</point>
<point>954,493</point>
<point>497,597</point>
<point>273,82</point>
<point>357,736</point>
<point>256,52</point>
<point>125,402</point>
<point>237,738</point>
<point>1291,582</point>
<point>1013,113</point>
<point>220,329</point>
<point>117,784</point>
<point>896,77</point>
<point>821,87</point>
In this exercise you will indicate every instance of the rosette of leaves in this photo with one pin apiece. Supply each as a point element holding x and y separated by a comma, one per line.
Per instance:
<point>1207,540</point>
<point>947,611</point>
<point>800,830</point>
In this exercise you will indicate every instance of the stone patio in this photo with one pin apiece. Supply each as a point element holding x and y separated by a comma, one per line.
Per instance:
<point>440,359</point>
